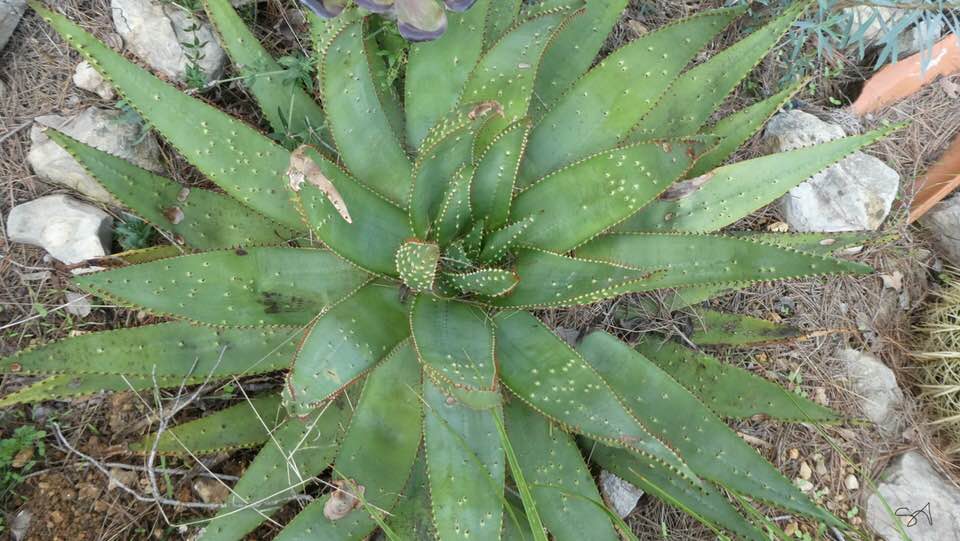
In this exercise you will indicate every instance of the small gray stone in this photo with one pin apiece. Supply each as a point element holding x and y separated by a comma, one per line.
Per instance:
<point>105,129</point>
<point>156,31</point>
<point>853,195</point>
<point>78,304</point>
<point>943,221</point>
<point>67,229</point>
<point>619,494</point>
<point>909,484</point>
<point>875,386</point>
<point>10,13</point>
<point>88,78</point>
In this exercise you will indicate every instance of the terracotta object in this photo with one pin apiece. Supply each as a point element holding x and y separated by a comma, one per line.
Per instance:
<point>940,180</point>
<point>897,81</point>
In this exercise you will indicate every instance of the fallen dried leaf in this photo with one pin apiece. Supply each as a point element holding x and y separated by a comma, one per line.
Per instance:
<point>344,499</point>
<point>304,169</point>
<point>893,281</point>
<point>20,459</point>
<point>778,227</point>
<point>805,471</point>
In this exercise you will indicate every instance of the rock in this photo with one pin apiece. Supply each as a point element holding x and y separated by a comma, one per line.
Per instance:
<point>211,490</point>
<point>619,494</point>
<point>875,386</point>
<point>105,129</point>
<point>851,482</point>
<point>87,78</point>
<point>911,483</point>
<point>943,221</point>
<point>10,13</point>
<point>78,304</point>
<point>156,31</point>
<point>67,229</point>
<point>852,195</point>
<point>805,471</point>
<point>121,477</point>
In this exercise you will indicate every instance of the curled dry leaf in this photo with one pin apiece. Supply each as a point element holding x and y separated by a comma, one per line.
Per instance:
<point>344,499</point>
<point>174,214</point>
<point>304,169</point>
<point>685,188</point>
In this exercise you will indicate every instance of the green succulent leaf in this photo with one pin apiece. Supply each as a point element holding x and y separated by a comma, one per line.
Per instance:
<point>446,149</point>
<point>552,378</point>
<point>371,239</point>
<point>245,286</point>
<point>506,71</point>
<point>167,350</point>
<point>345,343</point>
<point>485,282</point>
<point>496,174</point>
<point>692,259</point>
<point>675,415</point>
<point>603,106</point>
<point>239,159</point>
<point>575,48</point>
<point>465,465</point>
<point>368,143</point>
<point>72,386</point>
<point>203,219</point>
<point>696,94</point>
<point>501,15</point>
<point>296,452</point>
<point>499,242</point>
<point>814,243</point>
<point>713,328</point>
<point>454,342</point>
<point>375,459</point>
<point>244,425</point>
<point>454,215</point>
<point>438,69</point>
<point>549,279</point>
<point>417,263</point>
<point>722,387</point>
<point>578,202</point>
<point>704,503</point>
<point>412,517</point>
<point>289,109</point>
<point>731,192</point>
<point>735,129</point>
<point>560,481</point>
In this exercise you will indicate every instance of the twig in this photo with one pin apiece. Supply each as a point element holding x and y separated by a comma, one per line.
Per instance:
<point>139,497</point>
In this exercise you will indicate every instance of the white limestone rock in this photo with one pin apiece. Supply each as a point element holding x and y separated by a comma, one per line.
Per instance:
<point>88,78</point>
<point>853,195</point>
<point>943,222</point>
<point>105,129</point>
<point>619,494</point>
<point>70,231</point>
<point>11,11</point>
<point>875,387</point>
<point>155,32</point>
<point>909,484</point>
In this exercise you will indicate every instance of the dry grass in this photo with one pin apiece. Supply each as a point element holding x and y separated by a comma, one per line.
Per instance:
<point>35,71</point>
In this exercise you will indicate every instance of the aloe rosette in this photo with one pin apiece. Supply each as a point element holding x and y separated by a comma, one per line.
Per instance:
<point>393,270</point>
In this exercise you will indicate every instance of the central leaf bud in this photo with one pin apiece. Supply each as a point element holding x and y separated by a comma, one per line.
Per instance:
<point>417,263</point>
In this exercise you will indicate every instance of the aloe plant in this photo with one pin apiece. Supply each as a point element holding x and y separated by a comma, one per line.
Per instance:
<point>393,272</point>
